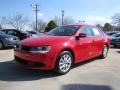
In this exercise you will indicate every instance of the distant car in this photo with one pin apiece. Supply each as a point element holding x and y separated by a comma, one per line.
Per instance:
<point>116,35</point>
<point>62,47</point>
<point>18,33</point>
<point>34,33</point>
<point>111,33</point>
<point>7,40</point>
<point>115,39</point>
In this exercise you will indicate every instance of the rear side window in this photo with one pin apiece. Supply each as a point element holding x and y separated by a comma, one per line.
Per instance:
<point>87,30</point>
<point>96,32</point>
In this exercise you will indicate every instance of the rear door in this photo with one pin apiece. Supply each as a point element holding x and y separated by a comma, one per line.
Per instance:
<point>98,41</point>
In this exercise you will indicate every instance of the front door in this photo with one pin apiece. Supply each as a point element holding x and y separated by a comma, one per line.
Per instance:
<point>85,44</point>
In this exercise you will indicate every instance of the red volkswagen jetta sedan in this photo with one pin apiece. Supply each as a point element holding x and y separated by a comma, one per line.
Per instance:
<point>62,47</point>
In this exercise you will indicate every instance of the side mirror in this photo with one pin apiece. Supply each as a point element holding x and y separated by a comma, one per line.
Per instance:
<point>81,35</point>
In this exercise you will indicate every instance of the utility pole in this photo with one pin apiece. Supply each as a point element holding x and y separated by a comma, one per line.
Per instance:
<point>63,17</point>
<point>35,7</point>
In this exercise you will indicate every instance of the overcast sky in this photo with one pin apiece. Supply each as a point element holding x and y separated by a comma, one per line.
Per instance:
<point>92,11</point>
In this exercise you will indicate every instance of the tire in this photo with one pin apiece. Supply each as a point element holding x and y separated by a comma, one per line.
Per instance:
<point>104,52</point>
<point>64,62</point>
<point>1,45</point>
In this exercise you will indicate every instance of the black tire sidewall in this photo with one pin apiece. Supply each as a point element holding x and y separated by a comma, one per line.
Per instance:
<point>103,56</point>
<point>1,44</point>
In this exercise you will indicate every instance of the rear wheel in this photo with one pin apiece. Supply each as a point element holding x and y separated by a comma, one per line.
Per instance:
<point>104,52</point>
<point>1,45</point>
<point>64,62</point>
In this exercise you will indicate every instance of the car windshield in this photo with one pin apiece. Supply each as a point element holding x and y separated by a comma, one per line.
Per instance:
<point>23,31</point>
<point>64,30</point>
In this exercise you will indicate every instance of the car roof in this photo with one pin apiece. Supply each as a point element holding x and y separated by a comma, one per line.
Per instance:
<point>112,31</point>
<point>79,25</point>
<point>14,30</point>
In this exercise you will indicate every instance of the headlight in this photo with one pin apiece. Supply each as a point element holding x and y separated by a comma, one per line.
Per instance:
<point>9,39</point>
<point>41,49</point>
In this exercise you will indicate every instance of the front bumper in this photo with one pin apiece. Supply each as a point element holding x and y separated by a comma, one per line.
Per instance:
<point>10,43</point>
<point>35,60</point>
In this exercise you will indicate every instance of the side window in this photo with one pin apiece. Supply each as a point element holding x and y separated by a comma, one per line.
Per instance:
<point>96,32</point>
<point>10,32</point>
<point>87,30</point>
<point>5,31</point>
<point>14,32</point>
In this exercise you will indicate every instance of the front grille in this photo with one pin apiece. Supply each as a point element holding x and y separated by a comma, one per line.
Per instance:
<point>21,47</point>
<point>29,63</point>
<point>25,48</point>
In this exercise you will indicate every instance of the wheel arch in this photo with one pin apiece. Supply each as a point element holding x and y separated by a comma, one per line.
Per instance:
<point>107,45</point>
<point>71,51</point>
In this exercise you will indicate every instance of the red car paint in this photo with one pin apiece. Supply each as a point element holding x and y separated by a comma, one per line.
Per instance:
<point>82,49</point>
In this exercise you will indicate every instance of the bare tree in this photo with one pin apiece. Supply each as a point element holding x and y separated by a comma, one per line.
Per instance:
<point>0,26</point>
<point>1,23</point>
<point>66,20</point>
<point>18,21</point>
<point>57,20</point>
<point>41,25</point>
<point>116,19</point>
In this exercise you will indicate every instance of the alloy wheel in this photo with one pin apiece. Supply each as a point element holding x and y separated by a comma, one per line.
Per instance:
<point>65,63</point>
<point>105,51</point>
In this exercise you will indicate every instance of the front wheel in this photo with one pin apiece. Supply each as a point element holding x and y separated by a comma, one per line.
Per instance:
<point>104,52</point>
<point>64,62</point>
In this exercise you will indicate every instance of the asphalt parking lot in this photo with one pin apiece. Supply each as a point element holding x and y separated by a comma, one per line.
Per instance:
<point>96,74</point>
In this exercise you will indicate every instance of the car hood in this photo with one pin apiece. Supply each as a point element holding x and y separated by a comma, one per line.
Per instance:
<point>111,37</point>
<point>44,40</point>
<point>7,36</point>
